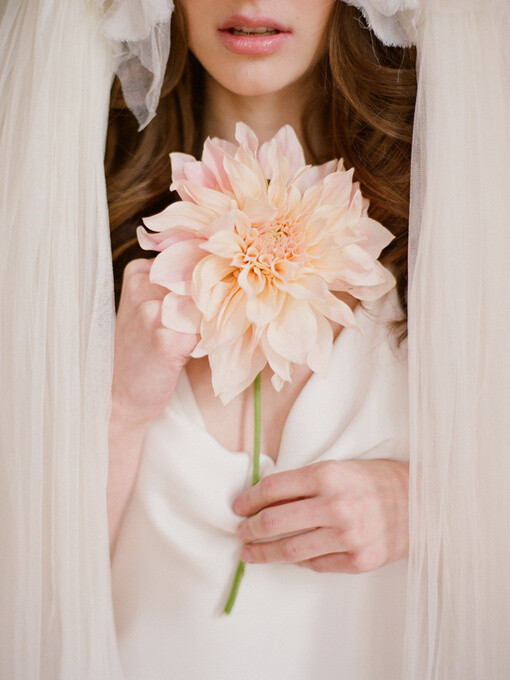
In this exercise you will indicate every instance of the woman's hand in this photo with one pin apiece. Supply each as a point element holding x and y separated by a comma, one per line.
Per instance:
<point>147,361</point>
<point>148,357</point>
<point>353,515</point>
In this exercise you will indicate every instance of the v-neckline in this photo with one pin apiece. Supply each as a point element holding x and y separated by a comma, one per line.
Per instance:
<point>195,414</point>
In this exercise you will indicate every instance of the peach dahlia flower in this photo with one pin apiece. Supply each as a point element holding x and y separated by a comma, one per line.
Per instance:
<point>255,250</point>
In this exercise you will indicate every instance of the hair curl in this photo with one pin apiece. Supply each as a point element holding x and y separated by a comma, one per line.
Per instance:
<point>364,96</point>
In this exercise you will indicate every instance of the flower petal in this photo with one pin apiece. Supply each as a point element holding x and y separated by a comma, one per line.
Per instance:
<point>359,268</point>
<point>198,173</point>
<point>375,236</point>
<point>225,222</point>
<point>250,160</point>
<point>337,187</point>
<point>180,313</point>
<point>245,135</point>
<point>258,211</point>
<point>316,227</point>
<point>231,321</point>
<point>176,263</point>
<point>293,333</point>
<point>251,281</point>
<point>180,287</point>
<point>212,156</point>
<point>308,287</point>
<point>279,164</point>
<point>211,301</point>
<point>234,368</point>
<point>328,260</point>
<point>376,291</point>
<point>216,201</point>
<point>207,275</point>
<point>277,192</point>
<point>278,364</point>
<point>180,214</point>
<point>353,213</point>
<point>225,244</point>
<point>227,147</point>
<point>290,147</point>
<point>162,240</point>
<point>308,175</point>
<point>277,382</point>
<point>199,351</point>
<point>285,270</point>
<point>292,205</point>
<point>337,310</point>
<point>244,181</point>
<point>311,198</point>
<point>265,307</point>
<point>178,161</point>
<point>263,160</point>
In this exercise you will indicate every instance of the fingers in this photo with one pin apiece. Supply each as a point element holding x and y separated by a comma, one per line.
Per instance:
<point>282,519</point>
<point>352,516</point>
<point>136,285</point>
<point>300,548</point>
<point>281,486</point>
<point>335,563</point>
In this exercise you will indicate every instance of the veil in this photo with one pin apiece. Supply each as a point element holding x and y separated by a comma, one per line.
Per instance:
<point>57,61</point>
<point>56,329</point>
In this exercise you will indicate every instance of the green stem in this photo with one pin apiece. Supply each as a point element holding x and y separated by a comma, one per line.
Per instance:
<point>254,480</point>
<point>235,587</point>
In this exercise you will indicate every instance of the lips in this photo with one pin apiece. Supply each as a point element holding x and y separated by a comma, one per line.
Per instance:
<point>258,22</point>
<point>258,35</point>
<point>244,30</point>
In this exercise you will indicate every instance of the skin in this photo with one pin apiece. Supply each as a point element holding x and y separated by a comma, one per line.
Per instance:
<point>352,515</point>
<point>264,91</point>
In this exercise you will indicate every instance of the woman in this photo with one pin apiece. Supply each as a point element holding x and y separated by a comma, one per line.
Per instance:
<point>171,568</point>
<point>56,290</point>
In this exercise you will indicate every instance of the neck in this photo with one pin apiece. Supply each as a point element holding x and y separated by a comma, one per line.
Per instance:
<point>265,114</point>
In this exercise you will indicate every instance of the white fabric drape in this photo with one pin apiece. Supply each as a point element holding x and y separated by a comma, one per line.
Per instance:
<point>458,608</point>
<point>390,19</point>
<point>458,616</point>
<point>56,321</point>
<point>56,327</point>
<point>139,32</point>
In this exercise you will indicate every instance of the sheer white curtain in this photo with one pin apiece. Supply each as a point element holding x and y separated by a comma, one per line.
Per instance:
<point>56,328</point>
<point>458,610</point>
<point>458,619</point>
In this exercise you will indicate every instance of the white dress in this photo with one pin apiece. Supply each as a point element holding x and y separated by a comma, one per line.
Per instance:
<point>177,549</point>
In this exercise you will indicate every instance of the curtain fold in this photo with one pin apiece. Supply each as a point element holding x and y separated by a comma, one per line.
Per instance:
<point>458,611</point>
<point>56,326</point>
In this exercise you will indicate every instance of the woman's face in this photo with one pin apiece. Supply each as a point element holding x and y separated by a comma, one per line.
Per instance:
<point>229,39</point>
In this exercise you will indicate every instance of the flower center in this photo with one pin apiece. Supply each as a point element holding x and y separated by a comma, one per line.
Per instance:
<point>275,240</point>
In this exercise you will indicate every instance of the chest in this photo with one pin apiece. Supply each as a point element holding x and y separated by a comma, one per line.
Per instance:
<point>232,424</point>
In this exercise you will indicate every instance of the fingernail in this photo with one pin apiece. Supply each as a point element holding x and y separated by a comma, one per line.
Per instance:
<point>246,555</point>
<point>240,532</point>
<point>237,506</point>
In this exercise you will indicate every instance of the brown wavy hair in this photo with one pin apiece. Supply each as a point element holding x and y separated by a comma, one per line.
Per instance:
<point>364,97</point>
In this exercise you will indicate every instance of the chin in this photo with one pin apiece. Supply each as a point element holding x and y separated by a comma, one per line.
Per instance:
<point>254,88</point>
<point>247,81</point>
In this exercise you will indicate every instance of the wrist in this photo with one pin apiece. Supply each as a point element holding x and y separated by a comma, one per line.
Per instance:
<point>125,438</point>
<point>123,418</point>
